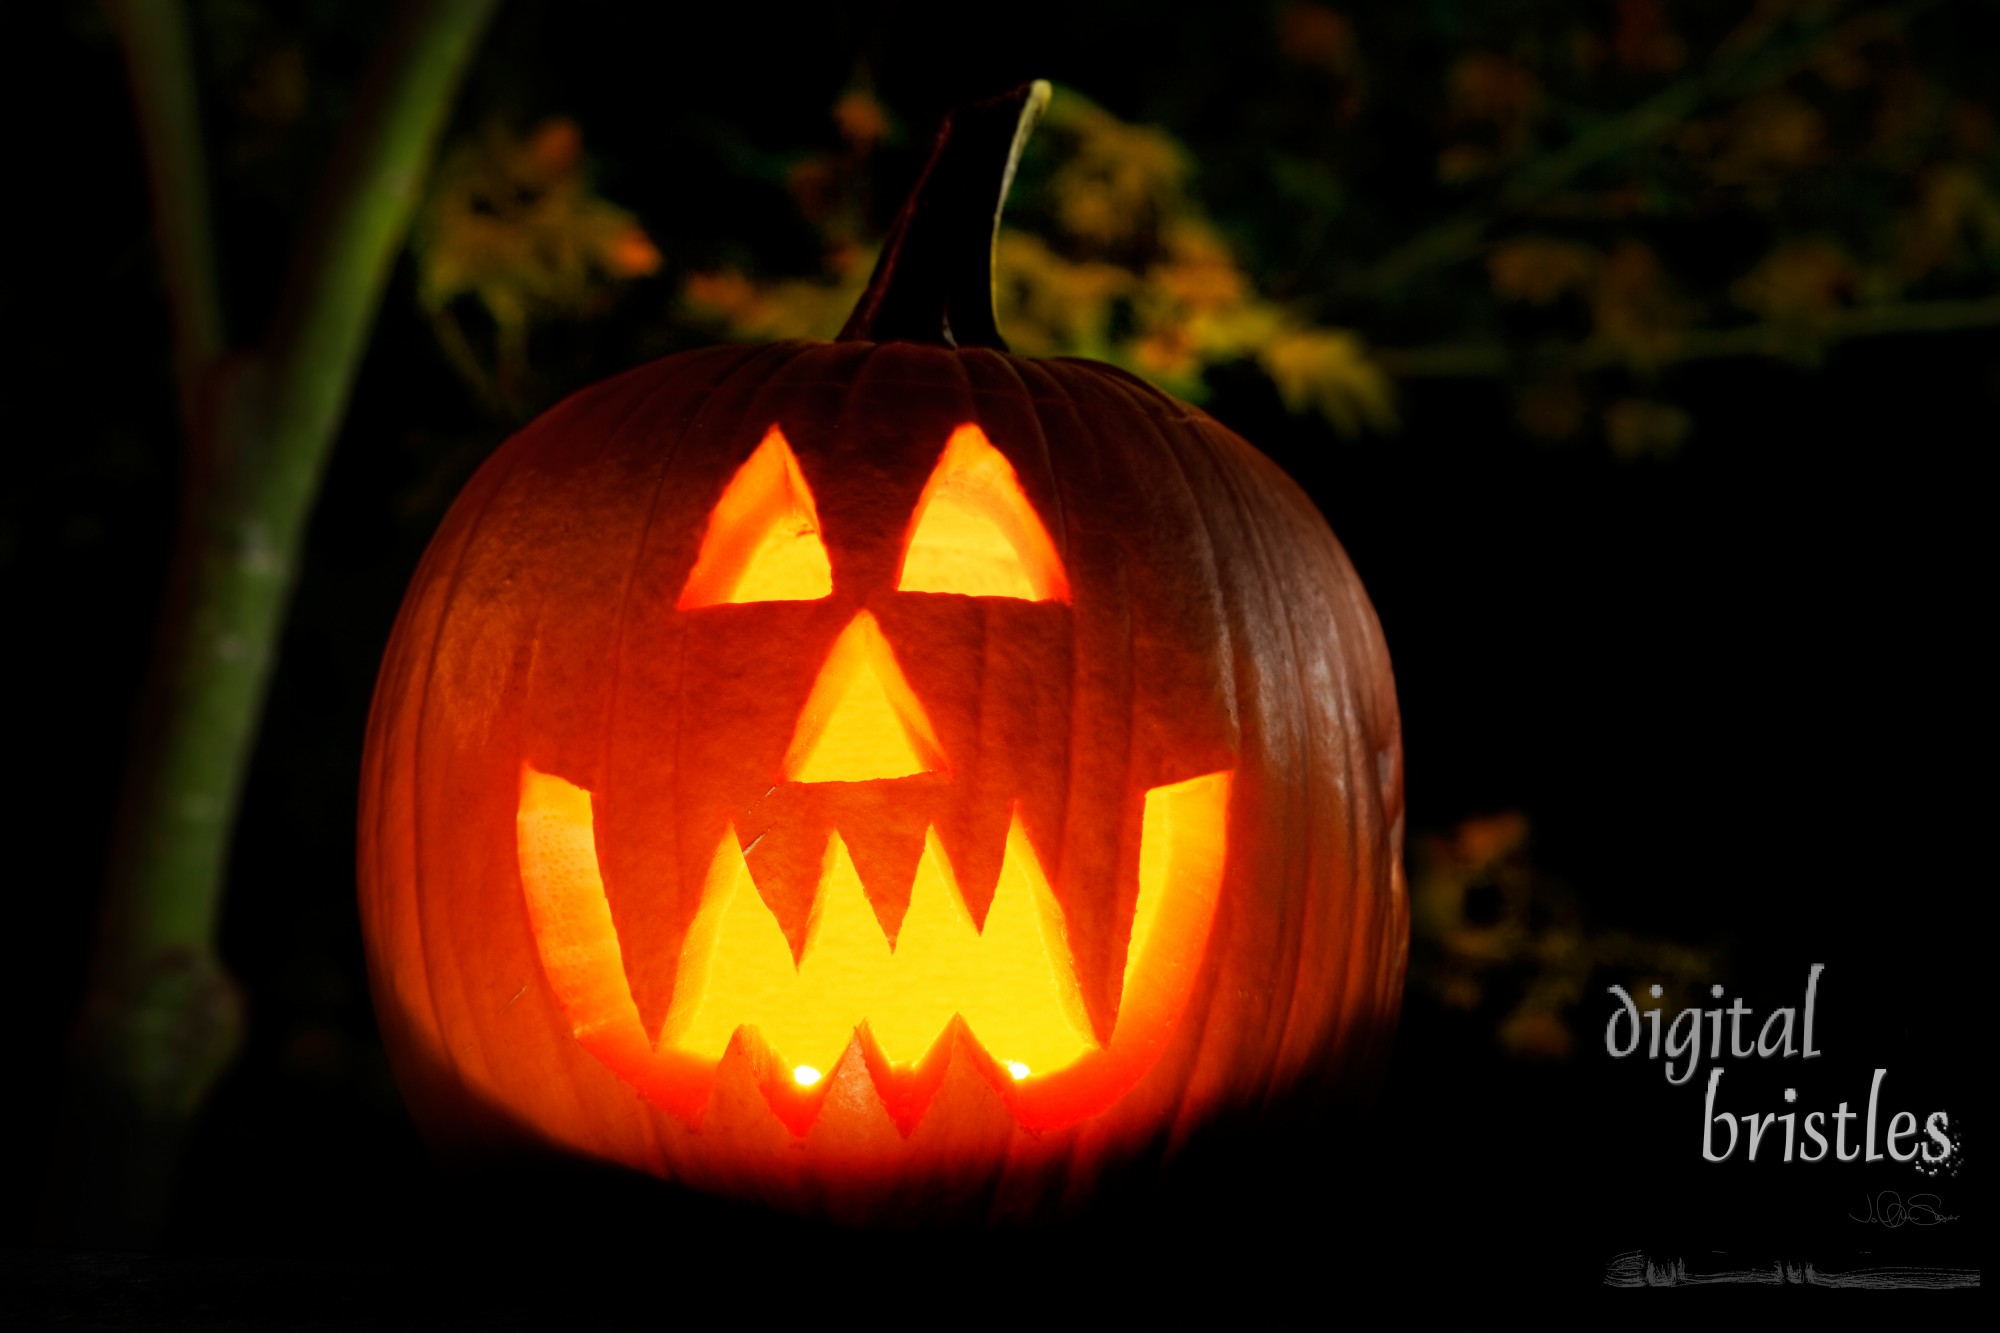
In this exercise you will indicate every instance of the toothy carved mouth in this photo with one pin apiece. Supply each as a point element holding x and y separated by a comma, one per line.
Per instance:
<point>1009,979</point>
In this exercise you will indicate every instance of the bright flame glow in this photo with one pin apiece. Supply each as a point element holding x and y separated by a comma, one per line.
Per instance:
<point>1013,982</point>
<point>975,533</point>
<point>861,720</point>
<point>1180,874</point>
<point>566,903</point>
<point>805,1076</point>
<point>790,565</point>
<point>763,542</point>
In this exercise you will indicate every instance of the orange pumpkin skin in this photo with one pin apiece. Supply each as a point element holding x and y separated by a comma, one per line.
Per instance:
<point>1216,624</point>
<point>716,822</point>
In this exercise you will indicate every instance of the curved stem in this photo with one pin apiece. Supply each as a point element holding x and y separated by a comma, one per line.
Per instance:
<point>934,281</point>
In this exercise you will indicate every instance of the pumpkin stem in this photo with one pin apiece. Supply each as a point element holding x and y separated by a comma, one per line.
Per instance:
<point>934,281</point>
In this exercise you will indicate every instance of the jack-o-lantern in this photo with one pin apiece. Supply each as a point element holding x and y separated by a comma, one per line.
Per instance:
<point>886,776</point>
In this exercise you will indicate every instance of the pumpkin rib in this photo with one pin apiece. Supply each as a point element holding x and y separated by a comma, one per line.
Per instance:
<point>1361,733</point>
<point>1350,913</point>
<point>1140,466</point>
<point>1201,1010</point>
<point>1164,445</point>
<point>752,372</point>
<point>1103,1013</point>
<point>518,474</point>
<point>1276,764</point>
<point>1356,700</point>
<point>664,467</point>
<point>1010,367</point>
<point>623,403</point>
<point>1055,393</point>
<point>1149,399</point>
<point>385,899</point>
<point>600,1135</point>
<point>574,1095</point>
<point>1073,755</point>
<point>1217,612</point>
<point>378,902</point>
<point>1301,797</point>
<point>1367,909</point>
<point>424,919</point>
<point>1356,910</point>
<point>1018,369</point>
<point>1168,446</point>
<point>873,367</point>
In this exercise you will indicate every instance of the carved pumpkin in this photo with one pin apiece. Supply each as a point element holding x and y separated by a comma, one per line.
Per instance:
<point>882,777</point>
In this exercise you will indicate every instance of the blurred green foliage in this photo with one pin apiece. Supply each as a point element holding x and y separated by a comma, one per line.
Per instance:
<point>1574,197</point>
<point>512,223</point>
<point>1499,938</point>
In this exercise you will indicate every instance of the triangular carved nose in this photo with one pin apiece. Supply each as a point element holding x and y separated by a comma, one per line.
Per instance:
<point>862,720</point>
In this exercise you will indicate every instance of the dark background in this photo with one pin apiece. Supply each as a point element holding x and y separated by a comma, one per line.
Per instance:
<point>1732,689</point>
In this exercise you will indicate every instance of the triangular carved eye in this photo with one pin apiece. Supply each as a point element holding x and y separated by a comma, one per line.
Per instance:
<point>763,542</point>
<point>975,533</point>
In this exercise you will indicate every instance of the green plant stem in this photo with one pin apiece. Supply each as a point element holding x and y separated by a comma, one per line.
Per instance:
<point>160,67</point>
<point>161,1018</point>
<point>360,220</point>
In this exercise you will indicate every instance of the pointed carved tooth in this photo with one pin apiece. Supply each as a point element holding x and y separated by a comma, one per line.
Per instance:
<point>845,968</point>
<point>736,967</point>
<point>936,949</point>
<point>1012,983</point>
<point>965,1121</point>
<point>1022,1002</point>
<point>755,1094</point>
<point>852,1115</point>
<point>974,839</point>
<point>736,1100</point>
<point>906,1089</point>
<point>883,825</point>
<point>785,848</point>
